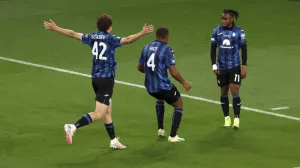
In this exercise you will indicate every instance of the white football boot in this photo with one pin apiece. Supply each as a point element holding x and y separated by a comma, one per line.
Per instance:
<point>161,132</point>
<point>227,121</point>
<point>236,123</point>
<point>115,144</point>
<point>175,139</point>
<point>70,131</point>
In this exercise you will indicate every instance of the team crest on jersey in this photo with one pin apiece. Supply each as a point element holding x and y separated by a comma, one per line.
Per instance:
<point>233,34</point>
<point>226,44</point>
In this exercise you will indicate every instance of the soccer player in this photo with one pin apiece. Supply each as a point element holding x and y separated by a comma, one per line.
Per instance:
<point>103,46</point>
<point>230,70</point>
<point>155,61</point>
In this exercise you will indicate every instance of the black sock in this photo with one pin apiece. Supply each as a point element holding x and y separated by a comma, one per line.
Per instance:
<point>85,120</point>
<point>236,103</point>
<point>176,121</point>
<point>160,111</point>
<point>225,104</point>
<point>110,130</point>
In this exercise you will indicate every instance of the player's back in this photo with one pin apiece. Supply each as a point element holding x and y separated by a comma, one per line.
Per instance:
<point>103,47</point>
<point>157,57</point>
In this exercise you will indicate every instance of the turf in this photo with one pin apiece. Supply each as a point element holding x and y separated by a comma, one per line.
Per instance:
<point>35,103</point>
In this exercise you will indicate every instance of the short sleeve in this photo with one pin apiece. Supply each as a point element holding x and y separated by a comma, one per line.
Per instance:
<point>86,38</point>
<point>170,57</point>
<point>115,41</point>
<point>214,36</point>
<point>242,37</point>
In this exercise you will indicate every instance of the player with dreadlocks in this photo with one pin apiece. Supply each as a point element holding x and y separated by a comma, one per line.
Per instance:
<point>229,68</point>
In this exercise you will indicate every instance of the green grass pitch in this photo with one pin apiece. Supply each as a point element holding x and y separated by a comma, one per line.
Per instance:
<point>36,102</point>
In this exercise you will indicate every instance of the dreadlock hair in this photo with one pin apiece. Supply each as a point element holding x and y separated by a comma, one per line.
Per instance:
<point>232,13</point>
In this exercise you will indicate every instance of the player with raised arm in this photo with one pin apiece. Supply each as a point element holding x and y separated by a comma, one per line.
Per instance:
<point>230,70</point>
<point>103,46</point>
<point>155,61</point>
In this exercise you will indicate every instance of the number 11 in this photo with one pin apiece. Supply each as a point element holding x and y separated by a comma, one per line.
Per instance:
<point>237,78</point>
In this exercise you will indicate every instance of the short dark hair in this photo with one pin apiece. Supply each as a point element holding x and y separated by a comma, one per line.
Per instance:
<point>232,13</point>
<point>162,32</point>
<point>104,21</point>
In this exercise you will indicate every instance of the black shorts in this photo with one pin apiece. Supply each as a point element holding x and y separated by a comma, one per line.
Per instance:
<point>170,96</point>
<point>103,88</point>
<point>231,76</point>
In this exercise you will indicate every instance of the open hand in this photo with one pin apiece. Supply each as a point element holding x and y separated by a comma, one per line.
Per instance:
<point>50,25</point>
<point>147,29</point>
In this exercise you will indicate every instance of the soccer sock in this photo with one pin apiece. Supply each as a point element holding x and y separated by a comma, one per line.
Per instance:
<point>160,111</point>
<point>110,130</point>
<point>236,103</point>
<point>176,122</point>
<point>85,120</point>
<point>225,104</point>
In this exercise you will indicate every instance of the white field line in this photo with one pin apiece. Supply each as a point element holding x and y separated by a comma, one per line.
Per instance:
<point>140,86</point>
<point>279,108</point>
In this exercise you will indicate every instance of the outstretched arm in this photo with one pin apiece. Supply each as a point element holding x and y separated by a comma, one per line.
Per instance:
<point>134,37</point>
<point>70,33</point>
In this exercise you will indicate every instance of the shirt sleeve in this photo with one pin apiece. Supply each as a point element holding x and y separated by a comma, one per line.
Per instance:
<point>115,41</point>
<point>170,57</point>
<point>86,38</point>
<point>242,37</point>
<point>214,36</point>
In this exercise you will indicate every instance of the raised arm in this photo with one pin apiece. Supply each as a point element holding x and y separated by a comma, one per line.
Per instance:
<point>132,38</point>
<point>70,33</point>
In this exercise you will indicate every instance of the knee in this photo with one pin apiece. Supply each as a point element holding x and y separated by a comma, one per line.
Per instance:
<point>109,110</point>
<point>224,90</point>
<point>98,115</point>
<point>235,89</point>
<point>178,104</point>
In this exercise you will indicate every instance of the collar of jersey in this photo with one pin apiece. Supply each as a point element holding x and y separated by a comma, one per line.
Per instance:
<point>160,41</point>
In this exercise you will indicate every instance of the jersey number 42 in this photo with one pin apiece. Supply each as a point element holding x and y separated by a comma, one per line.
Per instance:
<point>95,50</point>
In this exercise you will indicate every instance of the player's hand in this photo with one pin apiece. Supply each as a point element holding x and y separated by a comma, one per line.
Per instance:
<point>187,85</point>
<point>50,25</point>
<point>147,29</point>
<point>244,71</point>
<point>217,72</point>
<point>216,69</point>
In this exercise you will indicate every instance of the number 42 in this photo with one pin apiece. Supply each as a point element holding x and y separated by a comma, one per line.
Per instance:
<point>96,52</point>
